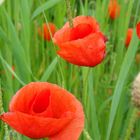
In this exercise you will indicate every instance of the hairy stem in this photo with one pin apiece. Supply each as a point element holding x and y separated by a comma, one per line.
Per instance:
<point>69,13</point>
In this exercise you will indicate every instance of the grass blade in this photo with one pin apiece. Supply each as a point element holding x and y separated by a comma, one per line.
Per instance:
<point>129,57</point>
<point>45,6</point>
<point>10,69</point>
<point>49,70</point>
<point>96,132</point>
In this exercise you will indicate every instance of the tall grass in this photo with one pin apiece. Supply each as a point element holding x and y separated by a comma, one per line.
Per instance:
<point>104,90</point>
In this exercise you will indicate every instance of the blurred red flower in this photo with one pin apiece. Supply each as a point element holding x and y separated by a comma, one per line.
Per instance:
<point>82,45</point>
<point>113,9</point>
<point>128,37</point>
<point>138,29</point>
<point>44,31</point>
<point>41,109</point>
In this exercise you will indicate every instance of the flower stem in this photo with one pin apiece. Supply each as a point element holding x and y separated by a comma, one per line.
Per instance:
<point>2,111</point>
<point>69,13</point>
<point>131,124</point>
<point>88,137</point>
<point>1,103</point>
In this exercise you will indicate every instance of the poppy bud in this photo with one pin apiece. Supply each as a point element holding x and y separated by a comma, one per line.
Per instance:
<point>138,58</point>
<point>113,9</point>
<point>45,32</point>
<point>128,37</point>
<point>136,91</point>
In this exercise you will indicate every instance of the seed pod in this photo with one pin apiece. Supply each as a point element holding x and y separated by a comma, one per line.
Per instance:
<point>136,92</point>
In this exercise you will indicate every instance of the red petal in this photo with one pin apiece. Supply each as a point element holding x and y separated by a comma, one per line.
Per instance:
<point>81,31</point>
<point>41,101</point>
<point>61,101</point>
<point>73,130</point>
<point>138,30</point>
<point>24,98</point>
<point>45,32</point>
<point>128,37</point>
<point>27,100</point>
<point>52,28</point>
<point>84,20</point>
<point>84,51</point>
<point>68,102</point>
<point>113,9</point>
<point>80,23</point>
<point>36,127</point>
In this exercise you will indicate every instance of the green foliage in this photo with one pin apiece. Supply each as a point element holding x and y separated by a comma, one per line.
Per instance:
<point>105,90</point>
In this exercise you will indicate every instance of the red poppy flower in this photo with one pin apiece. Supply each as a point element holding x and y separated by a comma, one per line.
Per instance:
<point>41,109</point>
<point>82,45</point>
<point>113,9</point>
<point>138,30</point>
<point>45,33</point>
<point>128,37</point>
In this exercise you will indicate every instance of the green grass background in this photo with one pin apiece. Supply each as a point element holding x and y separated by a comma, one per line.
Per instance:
<point>104,90</point>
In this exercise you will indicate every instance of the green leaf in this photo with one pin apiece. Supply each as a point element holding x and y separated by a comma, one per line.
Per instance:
<point>49,70</point>
<point>93,113</point>
<point>47,5</point>
<point>16,48</point>
<point>126,65</point>
<point>3,36</point>
<point>10,69</point>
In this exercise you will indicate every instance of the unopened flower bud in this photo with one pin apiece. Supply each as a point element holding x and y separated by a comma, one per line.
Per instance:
<point>136,92</point>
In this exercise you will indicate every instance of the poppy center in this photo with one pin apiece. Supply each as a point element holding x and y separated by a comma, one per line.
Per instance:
<point>80,31</point>
<point>41,101</point>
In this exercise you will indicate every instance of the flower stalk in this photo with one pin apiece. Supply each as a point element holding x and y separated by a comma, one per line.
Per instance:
<point>1,104</point>
<point>136,102</point>
<point>69,13</point>
<point>88,137</point>
<point>2,111</point>
<point>131,124</point>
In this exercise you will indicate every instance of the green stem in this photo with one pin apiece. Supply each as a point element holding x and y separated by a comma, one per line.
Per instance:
<point>2,111</point>
<point>85,84</point>
<point>131,124</point>
<point>1,104</point>
<point>69,13</point>
<point>88,137</point>
<point>59,65</point>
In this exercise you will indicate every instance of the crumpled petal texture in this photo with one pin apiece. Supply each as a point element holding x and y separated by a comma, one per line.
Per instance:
<point>41,109</point>
<point>82,45</point>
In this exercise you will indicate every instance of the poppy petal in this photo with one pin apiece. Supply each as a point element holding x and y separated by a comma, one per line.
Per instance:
<point>81,23</point>
<point>24,98</point>
<point>128,37</point>
<point>46,32</point>
<point>36,127</point>
<point>113,9</point>
<point>73,130</point>
<point>138,30</point>
<point>84,50</point>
